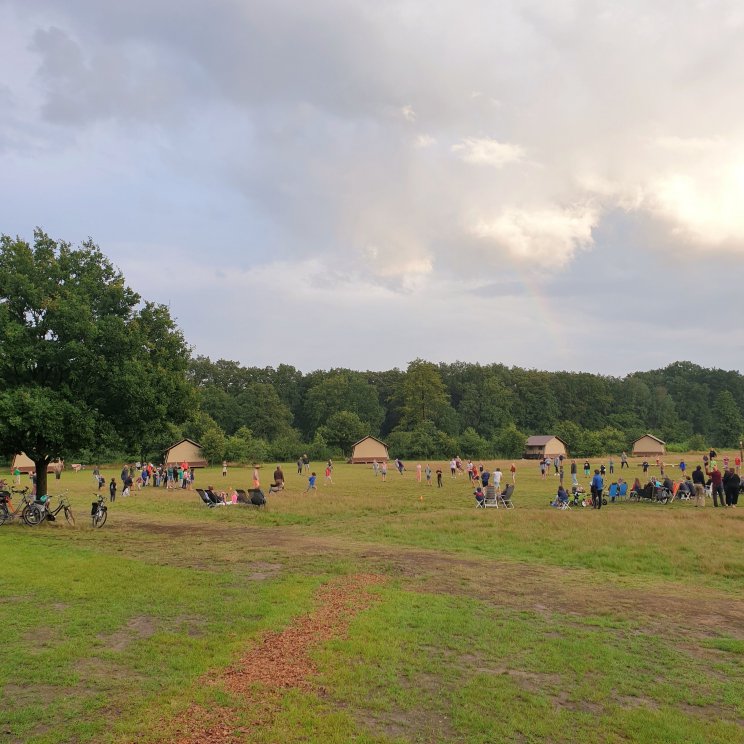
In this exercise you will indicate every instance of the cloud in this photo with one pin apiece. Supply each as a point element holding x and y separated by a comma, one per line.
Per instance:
<point>394,146</point>
<point>540,235</point>
<point>425,140</point>
<point>487,151</point>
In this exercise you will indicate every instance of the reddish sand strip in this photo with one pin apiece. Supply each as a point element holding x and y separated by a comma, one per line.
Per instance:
<point>279,662</point>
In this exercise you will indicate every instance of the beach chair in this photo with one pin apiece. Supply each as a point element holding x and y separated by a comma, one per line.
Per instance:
<point>612,493</point>
<point>257,497</point>
<point>505,499</point>
<point>622,491</point>
<point>491,497</point>
<point>204,496</point>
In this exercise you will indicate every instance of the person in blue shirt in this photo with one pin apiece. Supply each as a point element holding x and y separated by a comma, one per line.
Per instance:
<point>597,486</point>
<point>311,483</point>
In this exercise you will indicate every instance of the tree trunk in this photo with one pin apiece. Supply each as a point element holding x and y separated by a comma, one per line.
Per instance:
<point>41,476</point>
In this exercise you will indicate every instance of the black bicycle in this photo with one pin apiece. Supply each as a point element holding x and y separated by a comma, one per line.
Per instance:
<point>41,509</point>
<point>98,511</point>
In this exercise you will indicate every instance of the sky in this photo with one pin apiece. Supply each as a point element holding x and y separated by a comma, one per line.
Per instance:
<point>336,183</point>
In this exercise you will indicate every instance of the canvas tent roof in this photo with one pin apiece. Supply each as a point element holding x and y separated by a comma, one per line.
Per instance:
<point>540,439</point>
<point>651,436</point>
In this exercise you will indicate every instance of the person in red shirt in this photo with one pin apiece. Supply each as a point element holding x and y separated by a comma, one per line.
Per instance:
<point>716,480</point>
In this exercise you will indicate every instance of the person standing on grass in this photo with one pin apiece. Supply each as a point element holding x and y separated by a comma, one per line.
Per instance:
<point>112,490</point>
<point>587,468</point>
<point>299,466</point>
<point>224,468</point>
<point>731,483</point>
<point>453,467</point>
<point>17,475</point>
<point>597,487</point>
<point>485,478</point>
<point>716,484</point>
<point>682,467</point>
<point>399,465</point>
<point>418,473</point>
<point>612,466</point>
<point>698,480</point>
<point>645,467</point>
<point>256,480</point>
<point>383,470</point>
<point>737,463</point>
<point>328,478</point>
<point>556,464</point>
<point>439,477</point>
<point>496,476</point>
<point>574,476</point>
<point>427,474</point>
<point>306,462</point>
<point>375,467</point>
<point>469,470</point>
<point>542,469</point>
<point>513,470</point>
<point>311,483</point>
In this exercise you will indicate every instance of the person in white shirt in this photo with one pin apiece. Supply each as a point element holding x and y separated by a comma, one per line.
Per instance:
<point>496,476</point>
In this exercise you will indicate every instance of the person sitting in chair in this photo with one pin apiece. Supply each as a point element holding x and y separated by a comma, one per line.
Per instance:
<point>277,485</point>
<point>561,497</point>
<point>212,496</point>
<point>479,496</point>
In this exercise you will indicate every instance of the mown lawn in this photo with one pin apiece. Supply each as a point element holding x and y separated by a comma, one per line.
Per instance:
<point>528,625</point>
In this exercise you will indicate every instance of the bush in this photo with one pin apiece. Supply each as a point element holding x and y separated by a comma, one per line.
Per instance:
<point>472,445</point>
<point>510,442</point>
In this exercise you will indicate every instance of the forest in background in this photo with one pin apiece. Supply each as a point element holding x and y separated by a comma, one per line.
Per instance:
<point>438,410</point>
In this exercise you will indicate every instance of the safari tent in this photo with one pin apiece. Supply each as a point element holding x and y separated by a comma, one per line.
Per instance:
<point>648,446</point>
<point>188,451</point>
<point>544,445</point>
<point>26,465</point>
<point>368,449</point>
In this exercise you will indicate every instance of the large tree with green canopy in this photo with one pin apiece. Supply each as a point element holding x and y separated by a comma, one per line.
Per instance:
<point>83,361</point>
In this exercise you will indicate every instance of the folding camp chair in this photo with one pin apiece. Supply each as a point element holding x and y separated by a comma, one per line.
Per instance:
<point>622,491</point>
<point>205,498</point>
<point>491,498</point>
<point>504,499</point>
<point>612,493</point>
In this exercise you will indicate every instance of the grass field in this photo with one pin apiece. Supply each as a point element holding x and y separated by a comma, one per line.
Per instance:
<point>363,613</point>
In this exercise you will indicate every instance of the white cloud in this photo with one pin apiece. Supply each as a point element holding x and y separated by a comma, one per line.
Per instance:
<point>549,234</point>
<point>408,113</point>
<point>487,151</point>
<point>425,140</point>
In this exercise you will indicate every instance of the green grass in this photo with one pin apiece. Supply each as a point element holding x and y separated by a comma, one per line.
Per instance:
<point>527,625</point>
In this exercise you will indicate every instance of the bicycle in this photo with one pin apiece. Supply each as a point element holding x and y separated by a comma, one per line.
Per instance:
<point>6,502</point>
<point>41,510</point>
<point>98,511</point>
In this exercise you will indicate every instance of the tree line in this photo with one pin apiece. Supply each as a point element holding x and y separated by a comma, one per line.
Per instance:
<point>90,371</point>
<point>437,410</point>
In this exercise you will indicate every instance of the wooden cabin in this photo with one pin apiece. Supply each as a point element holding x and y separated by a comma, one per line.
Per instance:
<point>368,449</point>
<point>188,451</point>
<point>648,446</point>
<point>544,445</point>
<point>26,465</point>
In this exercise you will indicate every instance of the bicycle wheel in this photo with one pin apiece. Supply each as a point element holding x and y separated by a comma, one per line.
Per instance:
<point>33,515</point>
<point>4,513</point>
<point>99,518</point>
<point>68,516</point>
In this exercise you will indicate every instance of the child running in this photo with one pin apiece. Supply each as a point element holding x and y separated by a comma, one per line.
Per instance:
<point>311,483</point>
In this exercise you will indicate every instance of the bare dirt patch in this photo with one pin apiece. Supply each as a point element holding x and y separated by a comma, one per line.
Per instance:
<point>136,629</point>
<point>538,588</point>
<point>281,661</point>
